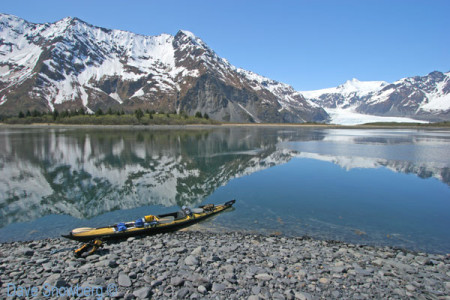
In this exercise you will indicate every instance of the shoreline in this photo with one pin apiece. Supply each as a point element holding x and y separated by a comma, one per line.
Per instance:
<point>230,265</point>
<point>223,125</point>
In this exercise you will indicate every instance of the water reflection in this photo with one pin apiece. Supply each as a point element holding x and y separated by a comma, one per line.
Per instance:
<point>424,153</point>
<point>84,173</point>
<point>423,170</point>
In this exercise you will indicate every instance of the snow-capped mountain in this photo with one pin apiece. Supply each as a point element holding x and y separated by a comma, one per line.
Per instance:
<point>424,97</point>
<point>345,95</point>
<point>71,64</point>
<point>420,97</point>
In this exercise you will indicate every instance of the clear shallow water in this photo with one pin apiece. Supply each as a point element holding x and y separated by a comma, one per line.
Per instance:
<point>382,187</point>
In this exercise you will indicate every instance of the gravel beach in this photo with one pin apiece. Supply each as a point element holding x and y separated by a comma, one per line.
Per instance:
<point>199,265</point>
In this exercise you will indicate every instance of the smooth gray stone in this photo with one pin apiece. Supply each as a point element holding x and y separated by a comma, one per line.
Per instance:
<point>182,293</point>
<point>142,293</point>
<point>177,281</point>
<point>302,296</point>
<point>198,251</point>
<point>217,287</point>
<point>202,289</point>
<point>112,264</point>
<point>264,277</point>
<point>191,261</point>
<point>124,280</point>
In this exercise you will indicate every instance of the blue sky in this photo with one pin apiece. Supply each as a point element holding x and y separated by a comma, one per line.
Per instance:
<point>307,44</point>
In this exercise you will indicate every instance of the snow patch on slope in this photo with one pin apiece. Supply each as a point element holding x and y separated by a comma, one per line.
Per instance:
<point>438,100</point>
<point>287,96</point>
<point>116,97</point>
<point>3,99</point>
<point>249,113</point>
<point>138,93</point>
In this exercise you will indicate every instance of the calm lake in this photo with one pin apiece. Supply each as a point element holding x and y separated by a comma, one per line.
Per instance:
<point>380,187</point>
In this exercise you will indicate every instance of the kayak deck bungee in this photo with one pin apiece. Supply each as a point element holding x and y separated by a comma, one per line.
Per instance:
<point>149,224</point>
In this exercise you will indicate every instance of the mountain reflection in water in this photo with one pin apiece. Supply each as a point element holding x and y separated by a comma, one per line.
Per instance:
<point>85,173</point>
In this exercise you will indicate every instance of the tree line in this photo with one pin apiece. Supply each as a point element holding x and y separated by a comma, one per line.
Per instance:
<point>139,113</point>
<point>83,116</point>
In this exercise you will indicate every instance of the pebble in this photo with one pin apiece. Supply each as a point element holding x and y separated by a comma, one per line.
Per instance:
<point>323,280</point>
<point>182,293</point>
<point>263,276</point>
<point>229,265</point>
<point>124,280</point>
<point>177,281</point>
<point>335,294</point>
<point>302,296</point>
<point>112,264</point>
<point>191,260</point>
<point>142,293</point>
<point>27,251</point>
<point>217,287</point>
<point>202,289</point>
<point>410,288</point>
<point>198,251</point>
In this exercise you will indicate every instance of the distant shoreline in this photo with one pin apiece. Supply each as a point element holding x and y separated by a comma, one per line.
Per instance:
<point>232,125</point>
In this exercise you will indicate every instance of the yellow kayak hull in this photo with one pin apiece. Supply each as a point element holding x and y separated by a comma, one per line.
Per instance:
<point>111,232</point>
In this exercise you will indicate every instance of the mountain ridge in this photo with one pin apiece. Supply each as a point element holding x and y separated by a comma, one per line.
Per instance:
<point>419,97</point>
<point>70,64</point>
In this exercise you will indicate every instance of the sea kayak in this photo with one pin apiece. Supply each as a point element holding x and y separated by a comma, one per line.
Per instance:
<point>150,224</point>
